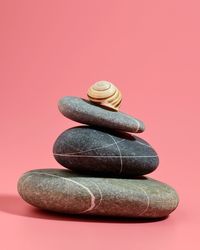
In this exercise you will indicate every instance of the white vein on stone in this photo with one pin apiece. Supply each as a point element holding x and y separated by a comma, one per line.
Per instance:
<point>107,156</point>
<point>148,200</point>
<point>120,155</point>
<point>101,195</point>
<point>138,125</point>
<point>88,190</point>
<point>147,145</point>
<point>92,205</point>
<point>92,149</point>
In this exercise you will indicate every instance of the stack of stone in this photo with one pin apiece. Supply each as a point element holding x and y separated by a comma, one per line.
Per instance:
<point>105,168</point>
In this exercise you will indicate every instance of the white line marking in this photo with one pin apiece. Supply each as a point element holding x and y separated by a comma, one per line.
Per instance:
<point>138,125</point>
<point>104,156</point>
<point>95,148</point>
<point>101,195</point>
<point>92,206</point>
<point>147,145</point>
<point>148,200</point>
<point>120,155</point>
<point>88,190</point>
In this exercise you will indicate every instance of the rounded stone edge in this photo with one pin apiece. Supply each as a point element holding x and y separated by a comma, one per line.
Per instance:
<point>20,182</point>
<point>175,194</point>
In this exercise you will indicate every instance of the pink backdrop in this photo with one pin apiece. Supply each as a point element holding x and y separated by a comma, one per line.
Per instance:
<point>150,50</point>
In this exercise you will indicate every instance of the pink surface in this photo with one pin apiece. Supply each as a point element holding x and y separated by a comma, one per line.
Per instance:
<point>150,50</point>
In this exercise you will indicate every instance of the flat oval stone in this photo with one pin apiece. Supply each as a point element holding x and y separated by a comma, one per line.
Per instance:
<point>83,111</point>
<point>104,152</point>
<point>66,192</point>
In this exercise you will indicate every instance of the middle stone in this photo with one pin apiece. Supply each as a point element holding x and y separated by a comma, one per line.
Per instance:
<point>96,151</point>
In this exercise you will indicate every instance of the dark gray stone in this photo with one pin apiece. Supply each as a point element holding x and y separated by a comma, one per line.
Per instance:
<point>85,112</point>
<point>66,192</point>
<point>104,152</point>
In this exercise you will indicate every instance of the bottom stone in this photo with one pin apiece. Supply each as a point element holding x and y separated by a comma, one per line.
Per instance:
<point>64,191</point>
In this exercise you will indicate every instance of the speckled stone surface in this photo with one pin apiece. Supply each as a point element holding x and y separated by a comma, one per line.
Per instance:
<point>104,152</point>
<point>67,192</point>
<point>85,112</point>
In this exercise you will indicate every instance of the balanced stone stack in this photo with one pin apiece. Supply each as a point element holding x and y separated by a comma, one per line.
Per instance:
<point>105,164</point>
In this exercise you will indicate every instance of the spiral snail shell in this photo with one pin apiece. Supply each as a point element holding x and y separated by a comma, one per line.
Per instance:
<point>105,94</point>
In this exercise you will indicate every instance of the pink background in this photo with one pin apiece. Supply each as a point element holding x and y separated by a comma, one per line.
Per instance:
<point>150,50</point>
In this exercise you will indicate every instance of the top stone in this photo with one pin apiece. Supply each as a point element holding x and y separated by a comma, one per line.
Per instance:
<point>83,111</point>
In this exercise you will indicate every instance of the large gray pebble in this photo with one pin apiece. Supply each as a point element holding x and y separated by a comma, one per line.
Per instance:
<point>66,192</point>
<point>85,112</point>
<point>104,152</point>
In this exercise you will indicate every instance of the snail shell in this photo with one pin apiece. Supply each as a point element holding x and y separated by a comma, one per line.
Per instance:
<point>105,94</point>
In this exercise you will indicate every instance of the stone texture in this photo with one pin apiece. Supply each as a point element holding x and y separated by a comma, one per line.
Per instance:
<point>67,192</point>
<point>104,152</point>
<point>85,112</point>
